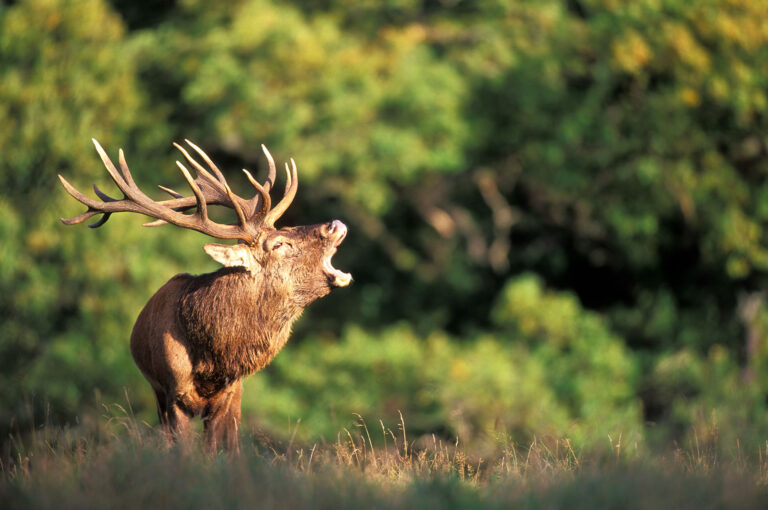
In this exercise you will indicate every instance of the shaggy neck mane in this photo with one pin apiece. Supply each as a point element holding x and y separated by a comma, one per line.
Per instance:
<point>236,322</point>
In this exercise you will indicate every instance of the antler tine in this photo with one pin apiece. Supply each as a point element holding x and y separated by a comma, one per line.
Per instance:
<point>216,182</point>
<point>82,217</point>
<point>105,198</point>
<point>266,200</point>
<point>258,204</point>
<point>291,186</point>
<point>125,169</point>
<point>119,180</point>
<point>207,160</point>
<point>174,194</point>
<point>102,195</point>
<point>288,180</point>
<point>202,207</point>
<point>272,170</point>
<point>239,210</point>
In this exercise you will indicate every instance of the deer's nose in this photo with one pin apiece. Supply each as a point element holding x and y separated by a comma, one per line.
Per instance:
<point>336,230</point>
<point>336,225</point>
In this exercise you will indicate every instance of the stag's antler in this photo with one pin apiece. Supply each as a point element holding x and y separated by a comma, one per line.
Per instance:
<point>208,188</point>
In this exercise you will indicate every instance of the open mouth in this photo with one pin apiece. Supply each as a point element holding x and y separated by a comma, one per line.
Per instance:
<point>337,278</point>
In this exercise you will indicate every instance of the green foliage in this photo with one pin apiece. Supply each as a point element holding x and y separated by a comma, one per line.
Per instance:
<point>59,86</point>
<point>66,312</point>
<point>556,209</point>
<point>551,369</point>
<point>263,71</point>
<point>587,365</point>
<point>696,399</point>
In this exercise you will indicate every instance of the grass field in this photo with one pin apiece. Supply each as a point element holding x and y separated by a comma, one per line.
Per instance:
<point>120,462</point>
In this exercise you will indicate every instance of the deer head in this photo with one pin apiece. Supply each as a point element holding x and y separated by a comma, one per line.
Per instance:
<point>304,252</point>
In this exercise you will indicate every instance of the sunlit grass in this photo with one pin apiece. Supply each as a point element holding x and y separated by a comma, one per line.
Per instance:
<point>117,461</point>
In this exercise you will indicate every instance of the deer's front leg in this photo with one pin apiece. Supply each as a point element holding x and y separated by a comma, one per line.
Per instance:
<point>221,419</point>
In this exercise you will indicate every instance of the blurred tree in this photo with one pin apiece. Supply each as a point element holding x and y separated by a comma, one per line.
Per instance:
<point>615,149</point>
<point>551,369</point>
<point>628,140</point>
<point>65,76</point>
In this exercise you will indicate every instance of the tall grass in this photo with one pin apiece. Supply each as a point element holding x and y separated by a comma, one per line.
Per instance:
<point>120,462</point>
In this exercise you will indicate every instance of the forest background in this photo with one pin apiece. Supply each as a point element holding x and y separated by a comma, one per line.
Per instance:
<point>557,208</point>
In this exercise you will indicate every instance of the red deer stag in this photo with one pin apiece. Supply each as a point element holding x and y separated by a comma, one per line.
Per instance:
<point>199,336</point>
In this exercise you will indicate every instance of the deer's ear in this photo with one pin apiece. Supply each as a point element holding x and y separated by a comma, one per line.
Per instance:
<point>230,255</point>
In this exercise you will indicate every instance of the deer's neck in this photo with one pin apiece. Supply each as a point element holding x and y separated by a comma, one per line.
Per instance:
<point>235,323</point>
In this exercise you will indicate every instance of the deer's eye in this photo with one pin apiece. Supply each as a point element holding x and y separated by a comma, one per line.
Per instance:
<point>280,245</point>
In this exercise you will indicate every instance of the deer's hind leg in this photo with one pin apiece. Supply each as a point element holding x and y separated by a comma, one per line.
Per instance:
<point>162,408</point>
<point>173,415</point>
<point>179,421</point>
